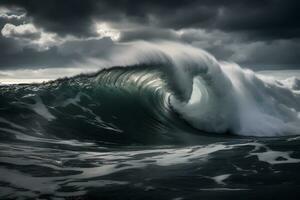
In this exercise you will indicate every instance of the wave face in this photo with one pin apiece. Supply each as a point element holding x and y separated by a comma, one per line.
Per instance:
<point>162,96</point>
<point>114,106</point>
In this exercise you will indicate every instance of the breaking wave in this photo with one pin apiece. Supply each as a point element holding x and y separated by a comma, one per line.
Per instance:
<point>162,92</point>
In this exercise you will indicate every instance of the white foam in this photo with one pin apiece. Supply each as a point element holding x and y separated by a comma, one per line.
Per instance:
<point>265,154</point>
<point>275,157</point>
<point>40,108</point>
<point>221,178</point>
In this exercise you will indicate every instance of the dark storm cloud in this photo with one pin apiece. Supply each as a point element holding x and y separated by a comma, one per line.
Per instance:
<point>63,17</point>
<point>89,48</point>
<point>12,15</point>
<point>265,18</point>
<point>31,58</point>
<point>248,31</point>
<point>65,55</point>
<point>148,34</point>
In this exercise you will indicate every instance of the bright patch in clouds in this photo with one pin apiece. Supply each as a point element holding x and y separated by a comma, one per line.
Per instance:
<point>104,30</point>
<point>31,34</point>
<point>10,30</point>
<point>9,14</point>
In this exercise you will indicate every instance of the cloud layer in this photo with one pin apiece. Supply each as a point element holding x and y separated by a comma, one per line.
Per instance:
<point>63,33</point>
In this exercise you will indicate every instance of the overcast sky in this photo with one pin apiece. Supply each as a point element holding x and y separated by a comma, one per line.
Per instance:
<point>63,33</point>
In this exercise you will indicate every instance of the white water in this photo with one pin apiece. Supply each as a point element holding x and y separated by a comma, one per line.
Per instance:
<point>253,105</point>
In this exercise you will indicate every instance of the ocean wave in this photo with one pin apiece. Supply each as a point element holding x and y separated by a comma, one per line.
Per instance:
<point>164,93</point>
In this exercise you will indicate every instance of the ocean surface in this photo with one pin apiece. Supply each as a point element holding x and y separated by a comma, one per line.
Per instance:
<point>191,128</point>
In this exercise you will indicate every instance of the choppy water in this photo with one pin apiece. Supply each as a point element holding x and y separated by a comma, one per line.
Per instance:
<point>252,169</point>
